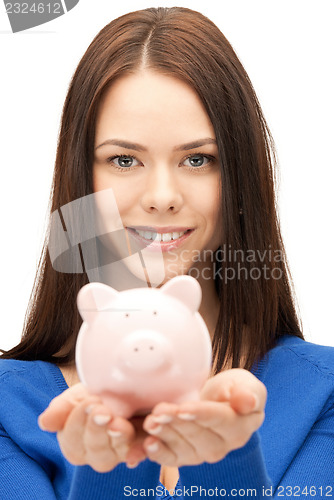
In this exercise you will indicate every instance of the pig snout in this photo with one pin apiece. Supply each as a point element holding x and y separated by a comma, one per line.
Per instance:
<point>144,350</point>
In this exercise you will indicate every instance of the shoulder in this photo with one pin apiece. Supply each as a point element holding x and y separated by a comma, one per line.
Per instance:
<point>300,374</point>
<point>299,377</point>
<point>26,389</point>
<point>18,377</point>
<point>313,358</point>
<point>13,370</point>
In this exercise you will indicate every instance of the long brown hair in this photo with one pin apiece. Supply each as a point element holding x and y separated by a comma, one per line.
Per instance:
<point>184,44</point>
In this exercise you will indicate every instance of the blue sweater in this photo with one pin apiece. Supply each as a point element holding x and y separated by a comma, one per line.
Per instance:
<point>291,455</point>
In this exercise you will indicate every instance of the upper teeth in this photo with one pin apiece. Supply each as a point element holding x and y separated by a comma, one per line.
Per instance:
<point>148,235</point>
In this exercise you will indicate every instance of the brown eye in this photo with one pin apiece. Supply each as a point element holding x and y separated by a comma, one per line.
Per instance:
<point>127,315</point>
<point>155,313</point>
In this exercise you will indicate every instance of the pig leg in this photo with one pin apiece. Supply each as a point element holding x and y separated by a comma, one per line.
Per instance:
<point>119,407</point>
<point>189,396</point>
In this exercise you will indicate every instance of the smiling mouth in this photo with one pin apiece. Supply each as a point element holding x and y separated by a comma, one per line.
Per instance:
<point>160,237</point>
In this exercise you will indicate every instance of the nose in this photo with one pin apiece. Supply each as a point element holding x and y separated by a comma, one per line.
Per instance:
<point>163,192</point>
<point>145,351</point>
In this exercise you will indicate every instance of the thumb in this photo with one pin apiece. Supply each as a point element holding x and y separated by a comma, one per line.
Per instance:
<point>244,401</point>
<point>239,387</point>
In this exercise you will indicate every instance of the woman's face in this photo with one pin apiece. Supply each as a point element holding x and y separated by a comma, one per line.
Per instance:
<point>156,148</point>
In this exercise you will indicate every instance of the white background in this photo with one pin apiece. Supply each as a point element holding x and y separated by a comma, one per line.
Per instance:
<point>287,49</point>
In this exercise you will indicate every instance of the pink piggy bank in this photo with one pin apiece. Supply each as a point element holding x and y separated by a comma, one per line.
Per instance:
<point>142,346</point>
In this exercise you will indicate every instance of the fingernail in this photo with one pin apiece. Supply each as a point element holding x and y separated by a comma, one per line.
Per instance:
<point>89,409</point>
<point>101,419</point>
<point>162,419</point>
<point>155,430</point>
<point>186,416</point>
<point>153,447</point>
<point>114,434</point>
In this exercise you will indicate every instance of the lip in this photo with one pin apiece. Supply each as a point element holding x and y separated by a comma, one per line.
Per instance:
<point>161,246</point>
<point>162,230</point>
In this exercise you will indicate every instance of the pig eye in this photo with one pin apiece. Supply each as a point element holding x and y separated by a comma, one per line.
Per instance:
<point>155,313</point>
<point>127,315</point>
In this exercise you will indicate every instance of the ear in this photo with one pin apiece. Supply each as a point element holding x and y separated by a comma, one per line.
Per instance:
<point>93,298</point>
<point>186,289</point>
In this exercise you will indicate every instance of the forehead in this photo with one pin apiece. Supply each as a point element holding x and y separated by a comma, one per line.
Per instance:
<point>146,103</point>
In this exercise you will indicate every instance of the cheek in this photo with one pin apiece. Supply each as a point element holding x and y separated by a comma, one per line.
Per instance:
<point>100,179</point>
<point>210,208</point>
<point>124,194</point>
<point>207,201</point>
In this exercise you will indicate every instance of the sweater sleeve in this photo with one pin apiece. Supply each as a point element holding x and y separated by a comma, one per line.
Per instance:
<point>21,477</point>
<point>31,463</point>
<point>117,484</point>
<point>311,473</point>
<point>241,473</point>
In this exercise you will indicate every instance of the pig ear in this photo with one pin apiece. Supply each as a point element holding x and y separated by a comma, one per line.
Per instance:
<point>186,289</point>
<point>93,298</point>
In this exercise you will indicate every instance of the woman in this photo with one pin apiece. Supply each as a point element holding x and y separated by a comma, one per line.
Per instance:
<point>161,111</point>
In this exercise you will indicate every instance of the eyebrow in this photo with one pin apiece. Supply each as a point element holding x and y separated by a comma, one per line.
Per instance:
<point>139,147</point>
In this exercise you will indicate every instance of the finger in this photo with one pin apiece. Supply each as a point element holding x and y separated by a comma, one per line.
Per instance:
<point>164,409</point>
<point>206,413</point>
<point>207,444</point>
<point>74,394</point>
<point>70,438</point>
<point>214,415</point>
<point>173,443</point>
<point>162,413</point>
<point>56,414</point>
<point>221,419</point>
<point>159,452</point>
<point>234,386</point>
<point>192,419</point>
<point>136,452</point>
<point>122,435</point>
<point>127,438</point>
<point>214,428</point>
<point>99,453</point>
<point>244,402</point>
<point>194,432</point>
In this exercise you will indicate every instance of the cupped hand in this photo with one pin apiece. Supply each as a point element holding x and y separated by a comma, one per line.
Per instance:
<point>89,434</point>
<point>230,410</point>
